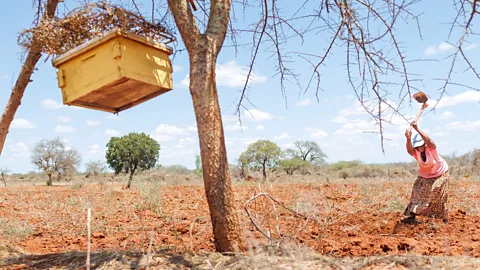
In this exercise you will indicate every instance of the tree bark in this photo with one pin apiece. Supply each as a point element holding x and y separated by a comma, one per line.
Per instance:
<point>203,50</point>
<point>216,174</point>
<point>49,181</point>
<point>264,170</point>
<point>130,178</point>
<point>23,79</point>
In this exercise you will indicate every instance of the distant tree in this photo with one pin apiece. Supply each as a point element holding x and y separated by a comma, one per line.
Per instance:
<point>198,165</point>
<point>343,164</point>
<point>131,153</point>
<point>243,164</point>
<point>262,154</point>
<point>52,156</point>
<point>4,174</point>
<point>307,151</point>
<point>293,164</point>
<point>95,167</point>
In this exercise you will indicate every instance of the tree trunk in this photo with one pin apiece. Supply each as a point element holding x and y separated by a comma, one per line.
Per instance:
<point>264,170</point>
<point>23,79</point>
<point>216,174</point>
<point>129,183</point>
<point>203,50</point>
<point>49,181</point>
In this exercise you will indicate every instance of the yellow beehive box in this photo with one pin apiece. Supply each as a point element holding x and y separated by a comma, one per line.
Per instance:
<point>114,72</point>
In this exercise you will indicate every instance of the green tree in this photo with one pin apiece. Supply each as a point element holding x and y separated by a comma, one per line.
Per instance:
<point>52,156</point>
<point>198,165</point>
<point>132,152</point>
<point>293,164</point>
<point>307,151</point>
<point>262,154</point>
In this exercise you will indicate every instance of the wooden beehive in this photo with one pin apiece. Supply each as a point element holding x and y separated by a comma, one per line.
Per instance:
<point>114,72</point>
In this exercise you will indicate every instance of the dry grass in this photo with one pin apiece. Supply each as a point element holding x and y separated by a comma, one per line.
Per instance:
<point>292,257</point>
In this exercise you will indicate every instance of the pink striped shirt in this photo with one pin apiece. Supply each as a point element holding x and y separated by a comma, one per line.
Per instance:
<point>434,166</point>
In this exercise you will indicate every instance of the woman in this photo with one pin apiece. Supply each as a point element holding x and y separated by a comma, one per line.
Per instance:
<point>430,191</point>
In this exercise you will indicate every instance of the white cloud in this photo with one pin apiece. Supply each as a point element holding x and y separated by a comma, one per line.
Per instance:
<point>470,47</point>
<point>465,97</point>
<point>63,119</point>
<point>439,134</point>
<point>229,141</point>
<point>18,149</point>
<point>257,115</point>
<point>177,68</point>
<point>249,140</point>
<point>280,118</point>
<point>236,127</point>
<point>51,104</point>
<point>317,133</point>
<point>94,150</point>
<point>260,127</point>
<point>442,47</point>
<point>112,117</point>
<point>111,132</point>
<point>22,123</point>
<point>64,129</point>
<point>339,120</point>
<point>165,133</point>
<point>192,129</point>
<point>464,126</point>
<point>231,74</point>
<point>304,103</point>
<point>170,130</point>
<point>287,146</point>
<point>358,124</point>
<point>186,140</point>
<point>282,136</point>
<point>229,118</point>
<point>93,123</point>
<point>447,115</point>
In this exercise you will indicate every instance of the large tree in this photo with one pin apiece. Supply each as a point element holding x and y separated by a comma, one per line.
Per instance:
<point>307,151</point>
<point>33,55</point>
<point>54,157</point>
<point>263,155</point>
<point>132,153</point>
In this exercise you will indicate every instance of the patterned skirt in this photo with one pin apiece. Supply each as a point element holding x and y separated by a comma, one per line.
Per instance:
<point>429,197</point>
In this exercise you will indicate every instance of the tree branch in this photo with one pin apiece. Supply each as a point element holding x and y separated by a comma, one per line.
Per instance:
<point>185,22</point>
<point>218,22</point>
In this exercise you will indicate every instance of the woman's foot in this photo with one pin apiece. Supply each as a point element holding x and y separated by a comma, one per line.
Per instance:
<point>409,220</point>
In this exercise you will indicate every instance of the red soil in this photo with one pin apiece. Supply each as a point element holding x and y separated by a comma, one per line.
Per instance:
<point>339,219</point>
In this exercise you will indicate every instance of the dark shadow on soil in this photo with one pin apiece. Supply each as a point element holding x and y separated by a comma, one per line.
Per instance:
<point>77,260</point>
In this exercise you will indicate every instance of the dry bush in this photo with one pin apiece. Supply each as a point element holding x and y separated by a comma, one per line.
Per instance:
<point>59,35</point>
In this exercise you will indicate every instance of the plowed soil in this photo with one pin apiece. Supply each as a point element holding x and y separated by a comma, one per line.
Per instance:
<point>338,219</point>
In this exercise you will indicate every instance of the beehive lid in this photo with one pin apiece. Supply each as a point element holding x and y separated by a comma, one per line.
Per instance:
<point>60,59</point>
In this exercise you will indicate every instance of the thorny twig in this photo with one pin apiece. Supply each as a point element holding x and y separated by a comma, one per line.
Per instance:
<point>273,201</point>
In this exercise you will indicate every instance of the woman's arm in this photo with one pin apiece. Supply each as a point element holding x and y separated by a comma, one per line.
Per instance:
<point>428,141</point>
<point>408,135</point>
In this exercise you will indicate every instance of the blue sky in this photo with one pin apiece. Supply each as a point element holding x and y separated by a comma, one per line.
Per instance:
<point>336,122</point>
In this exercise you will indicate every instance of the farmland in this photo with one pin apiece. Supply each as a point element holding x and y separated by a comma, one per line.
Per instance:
<point>335,218</point>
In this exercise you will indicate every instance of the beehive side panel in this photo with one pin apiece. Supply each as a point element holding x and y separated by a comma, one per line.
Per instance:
<point>147,64</point>
<point>91,70</point>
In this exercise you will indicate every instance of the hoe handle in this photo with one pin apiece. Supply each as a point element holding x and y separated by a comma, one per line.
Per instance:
<point>416,118</point>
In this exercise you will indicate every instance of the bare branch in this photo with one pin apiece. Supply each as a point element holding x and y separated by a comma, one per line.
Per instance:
<point>185,22</point>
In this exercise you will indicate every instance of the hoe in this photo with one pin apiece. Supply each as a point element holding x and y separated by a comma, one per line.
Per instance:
<point>420,97</point>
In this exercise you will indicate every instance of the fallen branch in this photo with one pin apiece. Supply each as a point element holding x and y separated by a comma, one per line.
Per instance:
<point>274,201</point>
